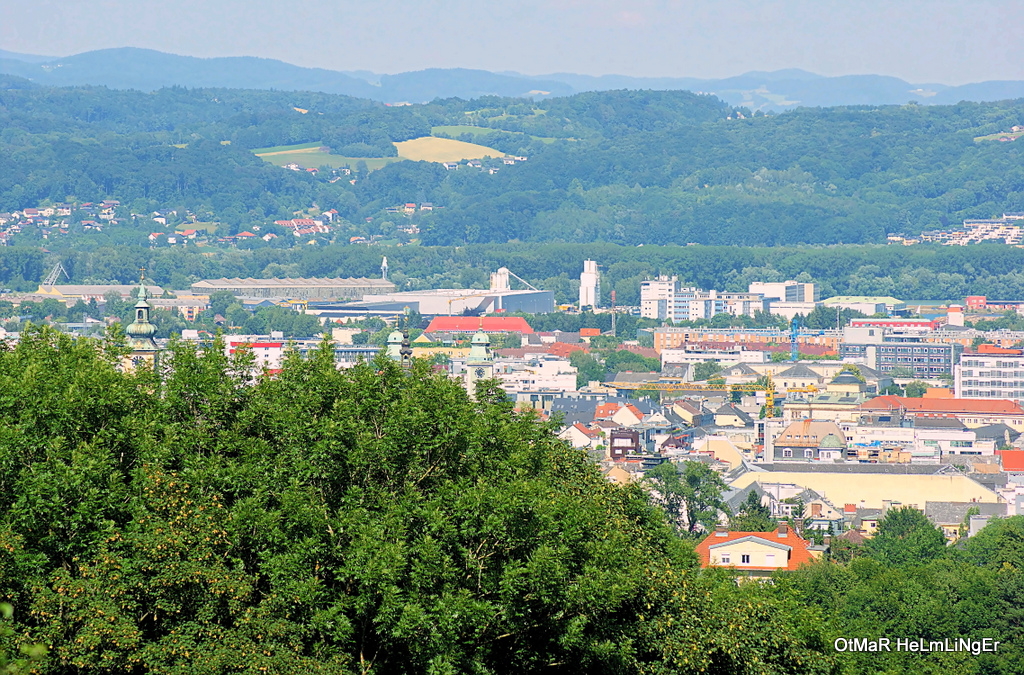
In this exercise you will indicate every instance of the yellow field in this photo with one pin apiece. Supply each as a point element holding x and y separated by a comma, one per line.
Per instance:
<point>430,149</point>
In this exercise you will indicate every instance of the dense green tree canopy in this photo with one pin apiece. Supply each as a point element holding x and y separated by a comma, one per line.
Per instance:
<point>371,520</point>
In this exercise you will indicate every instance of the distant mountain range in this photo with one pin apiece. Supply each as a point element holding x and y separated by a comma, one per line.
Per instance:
<point>146,70</point>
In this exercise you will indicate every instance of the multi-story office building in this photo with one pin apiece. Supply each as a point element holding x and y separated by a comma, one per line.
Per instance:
<point>990,376</point>
<point>887,350</point>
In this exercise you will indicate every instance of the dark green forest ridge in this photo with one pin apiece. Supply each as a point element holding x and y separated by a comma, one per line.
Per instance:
<point>625,167</point>
<point>376,520</point>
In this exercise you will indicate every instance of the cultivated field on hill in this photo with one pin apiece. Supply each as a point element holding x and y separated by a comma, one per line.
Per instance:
<point>315,155</point>
<point>431,149</point>
<point>425,149</point>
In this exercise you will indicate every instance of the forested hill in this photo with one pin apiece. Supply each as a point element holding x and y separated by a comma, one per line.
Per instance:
<point>149,70</point>
<point>626,167</point>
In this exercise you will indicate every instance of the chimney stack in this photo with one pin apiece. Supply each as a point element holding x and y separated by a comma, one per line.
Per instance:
<point>721,531</point>
<point>783,529</point>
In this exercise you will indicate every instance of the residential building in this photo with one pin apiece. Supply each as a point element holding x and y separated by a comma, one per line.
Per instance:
<point>755,554</point>
<point>990,376</point>
<point>664,298</point>
<point>954,517</point>
<point>656,296</point>
<point>972,413</point>
<point>536,373</point>
<point>872,485</point>
<point>671,337</point>
<point>698,354</point>
<point>809,441</point>
<point>840,400</point>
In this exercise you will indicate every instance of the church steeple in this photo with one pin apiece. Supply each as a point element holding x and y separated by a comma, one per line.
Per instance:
<point>140,332</point>
<point>480,362</point>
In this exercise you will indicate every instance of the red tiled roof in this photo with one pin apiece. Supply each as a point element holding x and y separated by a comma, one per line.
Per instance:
<point>1013,460</point>
<point>798,554</point>
<point>606,410</point>
<point>471,324</point>
<point>564,349</point>
<point>649,352</point>
<point>947,406</point>
<point>590,433</point>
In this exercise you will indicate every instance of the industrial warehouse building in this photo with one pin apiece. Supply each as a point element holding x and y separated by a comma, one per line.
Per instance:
<point>456,301</point>
<point>298,289</point>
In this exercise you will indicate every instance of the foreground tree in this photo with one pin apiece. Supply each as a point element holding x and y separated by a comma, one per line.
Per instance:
<point>752,516</point>
<point>373,520</point>
<point>905,536</point>
<point>691,494</point>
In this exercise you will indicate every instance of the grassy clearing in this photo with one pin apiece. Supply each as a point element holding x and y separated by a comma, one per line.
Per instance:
<point>430,149</point>
<point>317,159</point>
<point>459,129</point>
<point>995,137</point>
<point>287,148</point>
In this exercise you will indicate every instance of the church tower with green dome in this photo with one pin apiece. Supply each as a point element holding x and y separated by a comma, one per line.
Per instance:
<point>140,332</point>
<point>480,362</point>
<point>394,346</point>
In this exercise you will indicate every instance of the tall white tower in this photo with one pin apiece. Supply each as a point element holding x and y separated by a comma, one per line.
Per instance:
<point>384,269</point>
<point>590,285</point>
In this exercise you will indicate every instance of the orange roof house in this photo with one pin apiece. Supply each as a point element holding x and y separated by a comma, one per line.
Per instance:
<point>471,324</point>
<point>1012,460</point>
<point>755,553</point>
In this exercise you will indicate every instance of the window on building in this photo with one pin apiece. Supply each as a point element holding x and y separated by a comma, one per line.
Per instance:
<point>745,559</point>
<point>769,560</point>
<point>787,453</point>
<point>809,454</point>
<point>726,559</point>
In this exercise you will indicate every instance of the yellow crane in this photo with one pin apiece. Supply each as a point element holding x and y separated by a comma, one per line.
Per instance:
<point>465,297</point>
<point>768,387</point>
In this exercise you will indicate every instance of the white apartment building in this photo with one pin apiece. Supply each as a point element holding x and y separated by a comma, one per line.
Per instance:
<point>656,297</point>
<point>541,373</point>
<point>992,376</point>
<point>663,298</point>
<point>696,354</point>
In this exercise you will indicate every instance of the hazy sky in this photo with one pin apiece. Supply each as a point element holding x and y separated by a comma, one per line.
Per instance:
<point>944,41</point>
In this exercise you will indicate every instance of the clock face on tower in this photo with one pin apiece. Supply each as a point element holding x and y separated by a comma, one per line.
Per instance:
<point>480,372</point>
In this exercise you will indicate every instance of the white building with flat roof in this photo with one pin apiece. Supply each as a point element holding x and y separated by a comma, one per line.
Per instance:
<point>786,291</point>
<point>590,285</point>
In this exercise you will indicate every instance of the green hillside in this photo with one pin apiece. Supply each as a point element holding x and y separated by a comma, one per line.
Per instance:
<point>623,167</point>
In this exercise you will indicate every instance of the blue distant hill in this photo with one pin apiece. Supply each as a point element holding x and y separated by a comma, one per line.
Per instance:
<point>147,70</point>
